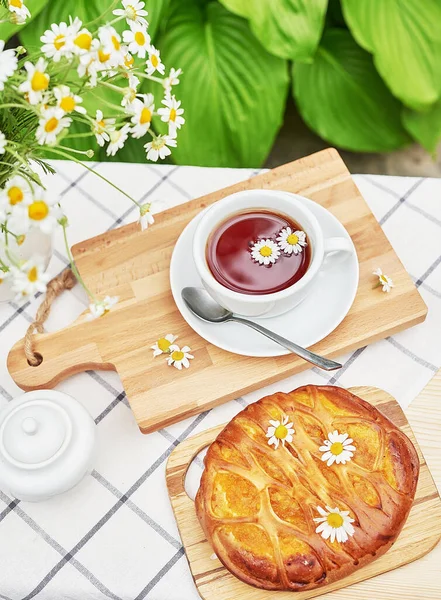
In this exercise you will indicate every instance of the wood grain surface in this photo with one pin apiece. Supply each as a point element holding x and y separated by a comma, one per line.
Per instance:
<point>421,532</point>
<point>134,265</point>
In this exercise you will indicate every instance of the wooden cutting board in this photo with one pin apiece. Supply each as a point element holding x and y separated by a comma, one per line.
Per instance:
<point>134,265</point>
<point>420,534</point>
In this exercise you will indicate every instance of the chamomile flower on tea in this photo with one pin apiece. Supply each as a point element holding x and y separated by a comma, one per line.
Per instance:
<point>163,345</point>
<point>37,81</point>
<point>142,108</point>
<point>28,279</point>
<point>137,39</point>
<point>101,307</point>
<point>57,42</point>
<point>334,524</point>
<point>265,252</point>
<point>118,138</point>
<point>133,11</point>
<point>154,62</point>
<point>172,114</point>
<point>159,147</point>
<point>8,64</point>
<point>102,128</point>
<point>337,448</point>
<point>19,10</point>
<point>291,242</point>
<point>179,357</point>
<point>280,431</point>
<point>145,216</point>
<point>51,123</point>
<point>67,100</point>
<point>384,280</point>
<point>3,142</point>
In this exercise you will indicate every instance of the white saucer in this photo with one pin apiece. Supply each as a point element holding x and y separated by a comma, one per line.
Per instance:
<point>306,324</point>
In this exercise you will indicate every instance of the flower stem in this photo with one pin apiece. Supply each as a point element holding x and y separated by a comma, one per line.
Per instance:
<point>73,265</point>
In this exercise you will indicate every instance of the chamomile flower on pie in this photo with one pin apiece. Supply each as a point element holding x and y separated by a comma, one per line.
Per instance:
<point>67,100</point>
<point>133,11</point>
<point>15,192</point>
<point>8,64</point>
<point>172,79</point>
<point>137,39</point>
<point>334,524</point>
<point>19,10</point>
<point>117,139</point>
<point>52,122</point>
<point>145,216</point>
<point>337,448</point>
<point>383,280</point>
<point>163,345</point>
<point>57,42</point>
<point>39,212</point>
<point>280,431</point>
<point>291,242</point>
<point>101,307</point>
<point>3,142</point>
<point>154,62</point>
<point>265,252</point>
<point>102,128</point>
<point>172,114</point>
<point>179,357</point>
<point>159,147</point>
<point>129,93</point>
<point>142,108</point>
<point>37,81</point>
<point>28,279</point>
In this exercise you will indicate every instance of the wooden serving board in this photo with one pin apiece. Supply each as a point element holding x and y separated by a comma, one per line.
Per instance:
<point>421,532</point>
<point>134,265</point>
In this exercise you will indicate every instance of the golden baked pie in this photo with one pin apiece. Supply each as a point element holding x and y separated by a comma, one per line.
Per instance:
<point>302,489</point>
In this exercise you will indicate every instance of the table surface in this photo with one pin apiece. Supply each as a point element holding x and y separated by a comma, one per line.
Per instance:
<point>114,535</point>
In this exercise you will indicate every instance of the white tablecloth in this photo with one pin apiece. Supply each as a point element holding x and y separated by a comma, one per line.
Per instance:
<point>114,535</point>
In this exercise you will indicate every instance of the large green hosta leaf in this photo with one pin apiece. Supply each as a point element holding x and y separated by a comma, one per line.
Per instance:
<point>405,38</point>
<point>424,127</point>
<point>342,97</point>
<point>232,90</point>
<point>287,28</point>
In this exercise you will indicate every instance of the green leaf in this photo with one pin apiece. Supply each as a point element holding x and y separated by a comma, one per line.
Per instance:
<point>342,97</point>
<point>424,127</point>
<point>7,30</point>
<point>232,90</point>
<point>404,37</point>
<point>157,10</point>
<point>286,28</point>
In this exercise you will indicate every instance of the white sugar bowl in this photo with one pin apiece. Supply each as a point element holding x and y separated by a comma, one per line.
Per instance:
<point>47,444</point>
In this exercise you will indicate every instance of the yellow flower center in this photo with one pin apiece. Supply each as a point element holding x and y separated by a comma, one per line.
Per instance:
<point>59,42</point>
<point>146,116</point>
<point>16,3</point>
<point>38,210</point>
<point>39,81</point>
<point>336,448</point>
<point>51,125</point>
<point>281,432</point>
<point>115,42</point>
<point>177,355</point>
<point>164,344</point>
<point>140,38</point>
<point>1,280</point>
<point>15,195</point>
<point>265,251</point>
<point>103,57</point>
<point>383,278</point>
<point>292,239</point>
<point>130,12</point>
<point>83,41</point>
<point>20,240</point>
<point>128,61</point>
<point>334,520</point>
<point>67,104</point>
<point>33,275</point>
<point>154,60</point>
<point>173,114</point>
<point>158,143</point>
<point>101,126</point>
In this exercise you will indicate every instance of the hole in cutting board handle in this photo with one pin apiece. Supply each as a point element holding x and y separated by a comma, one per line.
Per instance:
<point>39,357</point>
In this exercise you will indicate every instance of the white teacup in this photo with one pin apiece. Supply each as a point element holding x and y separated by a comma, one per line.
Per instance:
<point>276,303</point>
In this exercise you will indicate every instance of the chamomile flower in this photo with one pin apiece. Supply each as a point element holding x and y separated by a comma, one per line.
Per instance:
<point>102,128</point>
<point>37,81</point>
<point>129,61</point>
<point>101,307</point>
<point>67,100</point>
<point>265,252</point>
<point>179,357</point>
<point>117,139</point>
<point>280,431</point>
<point>154,62</point>
<point>172,114</point>
<point>291,242</point>
<point>28,279</point>
<point>88,67</point>
<point>142,109</point>
<point>334,524</point>
<point>38,212</point>
<point>51,123</point>
<point>15,192</point>
<point>159,147</point>
<point>19,10</point>
<point>172,79</point>
<point>133,11</point>
<point>8,64</point>
<point>162,346</point>
<point>4,275</point>
<point>3,142</point>
<point>111,44</point>
<point>384,280</point>
<point>81,38</point>
<point>57,42</point>
<point>138,40</point>
<point>145,216</point>
<point>129,93</point>
<point>337,448</point>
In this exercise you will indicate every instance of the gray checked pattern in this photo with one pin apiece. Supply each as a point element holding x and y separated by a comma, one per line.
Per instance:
<point>114,535</point>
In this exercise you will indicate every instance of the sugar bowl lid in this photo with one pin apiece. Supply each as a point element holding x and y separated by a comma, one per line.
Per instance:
<point>47,441</point>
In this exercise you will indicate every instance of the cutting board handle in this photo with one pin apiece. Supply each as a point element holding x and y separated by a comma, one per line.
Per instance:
<point>64,353</point>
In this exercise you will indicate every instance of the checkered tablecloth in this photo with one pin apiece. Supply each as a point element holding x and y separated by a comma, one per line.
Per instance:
<point>114,535</point>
